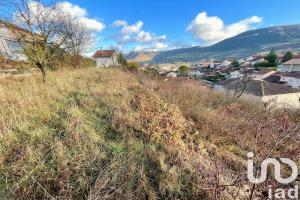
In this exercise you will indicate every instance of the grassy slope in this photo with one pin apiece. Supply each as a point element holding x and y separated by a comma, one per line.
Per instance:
<point>109,134</point>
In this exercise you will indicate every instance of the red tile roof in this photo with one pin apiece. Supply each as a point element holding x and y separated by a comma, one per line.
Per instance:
<point>104,53</point>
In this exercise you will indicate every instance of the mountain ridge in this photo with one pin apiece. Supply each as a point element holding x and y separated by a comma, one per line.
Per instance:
<point>242,45</point>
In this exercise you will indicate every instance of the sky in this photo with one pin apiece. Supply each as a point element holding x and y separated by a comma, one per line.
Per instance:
<point>158,25</point>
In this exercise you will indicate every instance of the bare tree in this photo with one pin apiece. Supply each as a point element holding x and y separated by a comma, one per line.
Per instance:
<point>79,39</point>
<point>43,32</point>
<point>240,87</point>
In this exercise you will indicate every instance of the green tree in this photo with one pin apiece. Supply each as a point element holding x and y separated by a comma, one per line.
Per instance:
<point>288,56</point>
<point>133,66</point>
<point>235,64</point>
<point>122,60</point>
<point>183,70</point>
<point>272,59</point>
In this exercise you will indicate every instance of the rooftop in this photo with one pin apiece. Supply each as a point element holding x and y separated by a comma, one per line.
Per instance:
<point>263,72</point>
<point>294,61</point>
<point>288,74</point>
<point>258,87</point>
<point>273,79</point>
<point>104,53</point>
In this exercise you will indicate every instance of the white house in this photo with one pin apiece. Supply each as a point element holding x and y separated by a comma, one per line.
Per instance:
<point>171,75</point>
<point>292,65</point>
<point>235,74</point>
<point>260,91</point>
<point>106,58</point>
<point>196,73</point>
<point>9,46</point>
<point>292,79</point>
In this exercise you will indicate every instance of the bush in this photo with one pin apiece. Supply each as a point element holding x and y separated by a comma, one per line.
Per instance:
<point>183,70</point>
<point>133,66</point>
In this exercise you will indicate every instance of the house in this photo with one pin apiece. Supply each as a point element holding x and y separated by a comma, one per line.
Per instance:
<point>235,74</point>
<point>9,46</point>
<point>292,79</point>
<point>171,75</point>
<point>245,65</point>
<point>105,58</point>
<point>196,73</point>
<point>225,63</point>
<point>262,74</point>
<point>292,65</point>
<point>261,91</point>
<point>257,61</point>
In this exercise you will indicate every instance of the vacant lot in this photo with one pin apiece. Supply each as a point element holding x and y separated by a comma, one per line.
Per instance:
<point>112,134</point>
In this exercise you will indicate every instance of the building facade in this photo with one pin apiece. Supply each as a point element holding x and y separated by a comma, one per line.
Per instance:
<point>9,46</point>
<point>106,58</point>
<point>292,65</point>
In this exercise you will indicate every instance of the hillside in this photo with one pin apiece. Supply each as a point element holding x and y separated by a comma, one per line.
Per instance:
<point>113,134</point>
<point>141,56</point>
<point>244,44</point>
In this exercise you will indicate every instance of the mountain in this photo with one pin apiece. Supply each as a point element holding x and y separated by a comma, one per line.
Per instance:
<point>141,56</point>
<point>244,44</point>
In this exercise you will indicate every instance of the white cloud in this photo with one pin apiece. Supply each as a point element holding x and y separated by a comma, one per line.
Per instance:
<point>158,46</point>
<point>144,37</point>
<point>128,29</point>
<point>139,48</point>
<point>212,29</point>
<point>134,34</point>
<point>92,24</point>
<point>82,15</point>
<point>120,23</point>
<point>74,11</point>
<point>135,28</point>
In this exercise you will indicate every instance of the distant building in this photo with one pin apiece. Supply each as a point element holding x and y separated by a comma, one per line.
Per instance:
<point>262,74</point>
<point>235,74</point>
<point>292,79</point>
<point>268,93</point>
<point>172,75</point>
<point>9,46</point>
<point>106,58</point>
<point>292,65</point>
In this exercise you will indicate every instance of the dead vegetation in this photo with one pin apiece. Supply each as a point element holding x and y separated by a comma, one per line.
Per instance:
<point>110,134</point>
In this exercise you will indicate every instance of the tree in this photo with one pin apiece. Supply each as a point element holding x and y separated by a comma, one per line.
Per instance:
<point>183,70</point>
<point>288,56</point>
<point>133,66</point>
<point>44,32</point>
<point>235,64</point>
<point>79,37</point>
<point>272,59</point>
<point>122,60</point>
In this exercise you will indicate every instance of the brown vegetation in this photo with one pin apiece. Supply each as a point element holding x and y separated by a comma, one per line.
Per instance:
<point>110,134</point>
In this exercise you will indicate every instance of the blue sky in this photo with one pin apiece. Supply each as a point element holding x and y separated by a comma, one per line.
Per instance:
<point>166,24</point>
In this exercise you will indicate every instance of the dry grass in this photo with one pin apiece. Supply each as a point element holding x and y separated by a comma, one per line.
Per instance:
<point>89,133</point>
<point>110,134</point>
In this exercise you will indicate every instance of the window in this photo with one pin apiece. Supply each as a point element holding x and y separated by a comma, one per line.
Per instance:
<point>14,46</point>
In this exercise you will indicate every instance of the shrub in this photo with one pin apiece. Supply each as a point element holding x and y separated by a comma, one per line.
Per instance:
<point>133,66</point>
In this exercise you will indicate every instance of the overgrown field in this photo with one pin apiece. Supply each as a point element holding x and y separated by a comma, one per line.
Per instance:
<point>111,134</point>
